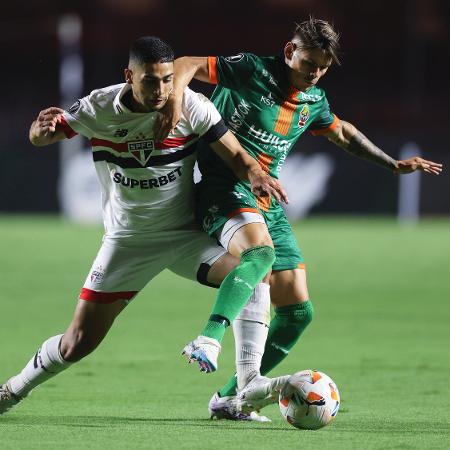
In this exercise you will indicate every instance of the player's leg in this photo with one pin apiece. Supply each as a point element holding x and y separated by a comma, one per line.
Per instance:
<point>89,326</point>
<point>118,273</point>
<point>254,247</point>
<point>293,313</point>
<point>250,344</point>
<point>289,294</point>
<point>250,332</point>
<point>251,325</point>
<point>235,288</point>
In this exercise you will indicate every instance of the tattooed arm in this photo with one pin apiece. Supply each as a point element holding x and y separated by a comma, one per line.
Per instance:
<point>346,136</point>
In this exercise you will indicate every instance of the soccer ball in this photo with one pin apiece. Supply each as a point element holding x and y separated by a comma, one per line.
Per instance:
<point>314,401</point>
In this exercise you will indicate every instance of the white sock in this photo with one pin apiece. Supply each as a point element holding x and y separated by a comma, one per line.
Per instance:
<point>250,330</point>
<point>46,363</point>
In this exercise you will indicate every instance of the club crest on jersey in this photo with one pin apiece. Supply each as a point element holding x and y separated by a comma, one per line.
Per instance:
<point>304,116</point>
<point>97,275</point>
<point>141,150</point>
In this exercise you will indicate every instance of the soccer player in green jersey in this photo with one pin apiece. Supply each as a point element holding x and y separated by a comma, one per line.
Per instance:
<point>269,102</point>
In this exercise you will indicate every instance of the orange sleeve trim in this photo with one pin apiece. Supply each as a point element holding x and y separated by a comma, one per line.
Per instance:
<point>241,210</point>
<point>329,128</point>
<point>301,266</point>
<point>212,69</point>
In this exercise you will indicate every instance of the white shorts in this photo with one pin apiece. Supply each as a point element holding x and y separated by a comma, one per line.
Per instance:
<point>232,225</point>
<point>123,266</point>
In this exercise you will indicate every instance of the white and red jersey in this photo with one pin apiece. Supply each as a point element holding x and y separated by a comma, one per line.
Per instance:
<point>146,186</point>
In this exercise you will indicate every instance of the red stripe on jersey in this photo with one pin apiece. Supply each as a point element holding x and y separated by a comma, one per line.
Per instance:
<point>65,128</point>
<point>105,297</point>
<point>122,147</point>
<point>118,147</point>
<point>174,142</point>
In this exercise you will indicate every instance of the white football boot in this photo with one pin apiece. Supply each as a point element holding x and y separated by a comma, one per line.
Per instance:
<point>259,392</point>
<point>226,408</point>
<point>7,399</point>
<point>205,351</point>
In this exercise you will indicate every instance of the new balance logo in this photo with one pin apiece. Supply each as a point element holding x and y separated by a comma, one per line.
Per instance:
<point>121,132</point>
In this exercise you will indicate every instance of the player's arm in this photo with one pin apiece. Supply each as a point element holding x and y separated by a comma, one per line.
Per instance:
<point>247,168</point>
<point>346,136</point>
<point>189,67</point>
<point>185,69</point>
<point>44,130</point>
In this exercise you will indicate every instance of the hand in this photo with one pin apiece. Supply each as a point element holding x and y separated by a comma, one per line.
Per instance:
<point>264,185</point>
<point>412,164</point>
<point>46,122</point>
<point>168,118</point>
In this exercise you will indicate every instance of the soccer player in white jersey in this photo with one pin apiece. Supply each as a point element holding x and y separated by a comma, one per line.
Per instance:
<point>147,195</point>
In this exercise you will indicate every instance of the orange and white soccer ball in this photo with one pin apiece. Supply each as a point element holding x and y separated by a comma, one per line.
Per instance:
<point>311,400</point>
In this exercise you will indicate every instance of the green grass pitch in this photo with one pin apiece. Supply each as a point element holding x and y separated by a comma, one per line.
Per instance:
<point>381,331</point>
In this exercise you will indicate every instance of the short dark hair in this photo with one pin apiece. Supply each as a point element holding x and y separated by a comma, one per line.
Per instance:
<point>150,49</point>
<point>318,34</point>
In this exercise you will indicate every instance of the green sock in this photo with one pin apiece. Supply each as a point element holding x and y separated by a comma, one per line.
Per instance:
<point>285,329</point>
<point>237,288</point>
<point>215,329</point>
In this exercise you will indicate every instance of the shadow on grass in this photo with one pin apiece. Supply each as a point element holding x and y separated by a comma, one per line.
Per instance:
<point>362,427</point>
<point>109,421</point>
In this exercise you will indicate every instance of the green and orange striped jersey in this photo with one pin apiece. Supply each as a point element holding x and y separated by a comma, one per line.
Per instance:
<point>263,110</point>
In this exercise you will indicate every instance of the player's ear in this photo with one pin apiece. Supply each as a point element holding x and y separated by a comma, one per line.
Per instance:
<point>128,76</point>
<point>289,50</point>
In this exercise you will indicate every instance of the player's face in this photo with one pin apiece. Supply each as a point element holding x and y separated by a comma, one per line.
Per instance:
<point>307,67</point>
<point>151,83</point>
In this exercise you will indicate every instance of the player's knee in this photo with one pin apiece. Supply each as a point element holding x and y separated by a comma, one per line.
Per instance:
<point>77,344</point>
<point>307,312</point>
<point>298,315</point>
<point>261,257</point>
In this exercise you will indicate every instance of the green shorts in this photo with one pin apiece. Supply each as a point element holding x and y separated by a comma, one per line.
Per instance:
<point>217,204</point>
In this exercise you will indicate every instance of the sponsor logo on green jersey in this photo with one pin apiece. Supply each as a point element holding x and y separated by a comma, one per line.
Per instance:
<point>239,115</point>
<point>269,139</point>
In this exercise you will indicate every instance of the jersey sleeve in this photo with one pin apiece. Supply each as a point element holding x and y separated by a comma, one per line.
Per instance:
<point>79,119</point>
<point>325,121</point>
<point>202,116</point>
<point>231,71</point>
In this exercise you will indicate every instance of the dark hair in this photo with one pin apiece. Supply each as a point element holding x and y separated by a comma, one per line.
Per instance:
<point>150,49</point>
<point>318,34</point>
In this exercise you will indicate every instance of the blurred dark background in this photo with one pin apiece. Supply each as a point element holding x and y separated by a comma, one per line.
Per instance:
<point>393,83</point>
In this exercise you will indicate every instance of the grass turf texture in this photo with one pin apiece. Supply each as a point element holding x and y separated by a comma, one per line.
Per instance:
<point>381,294</point>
